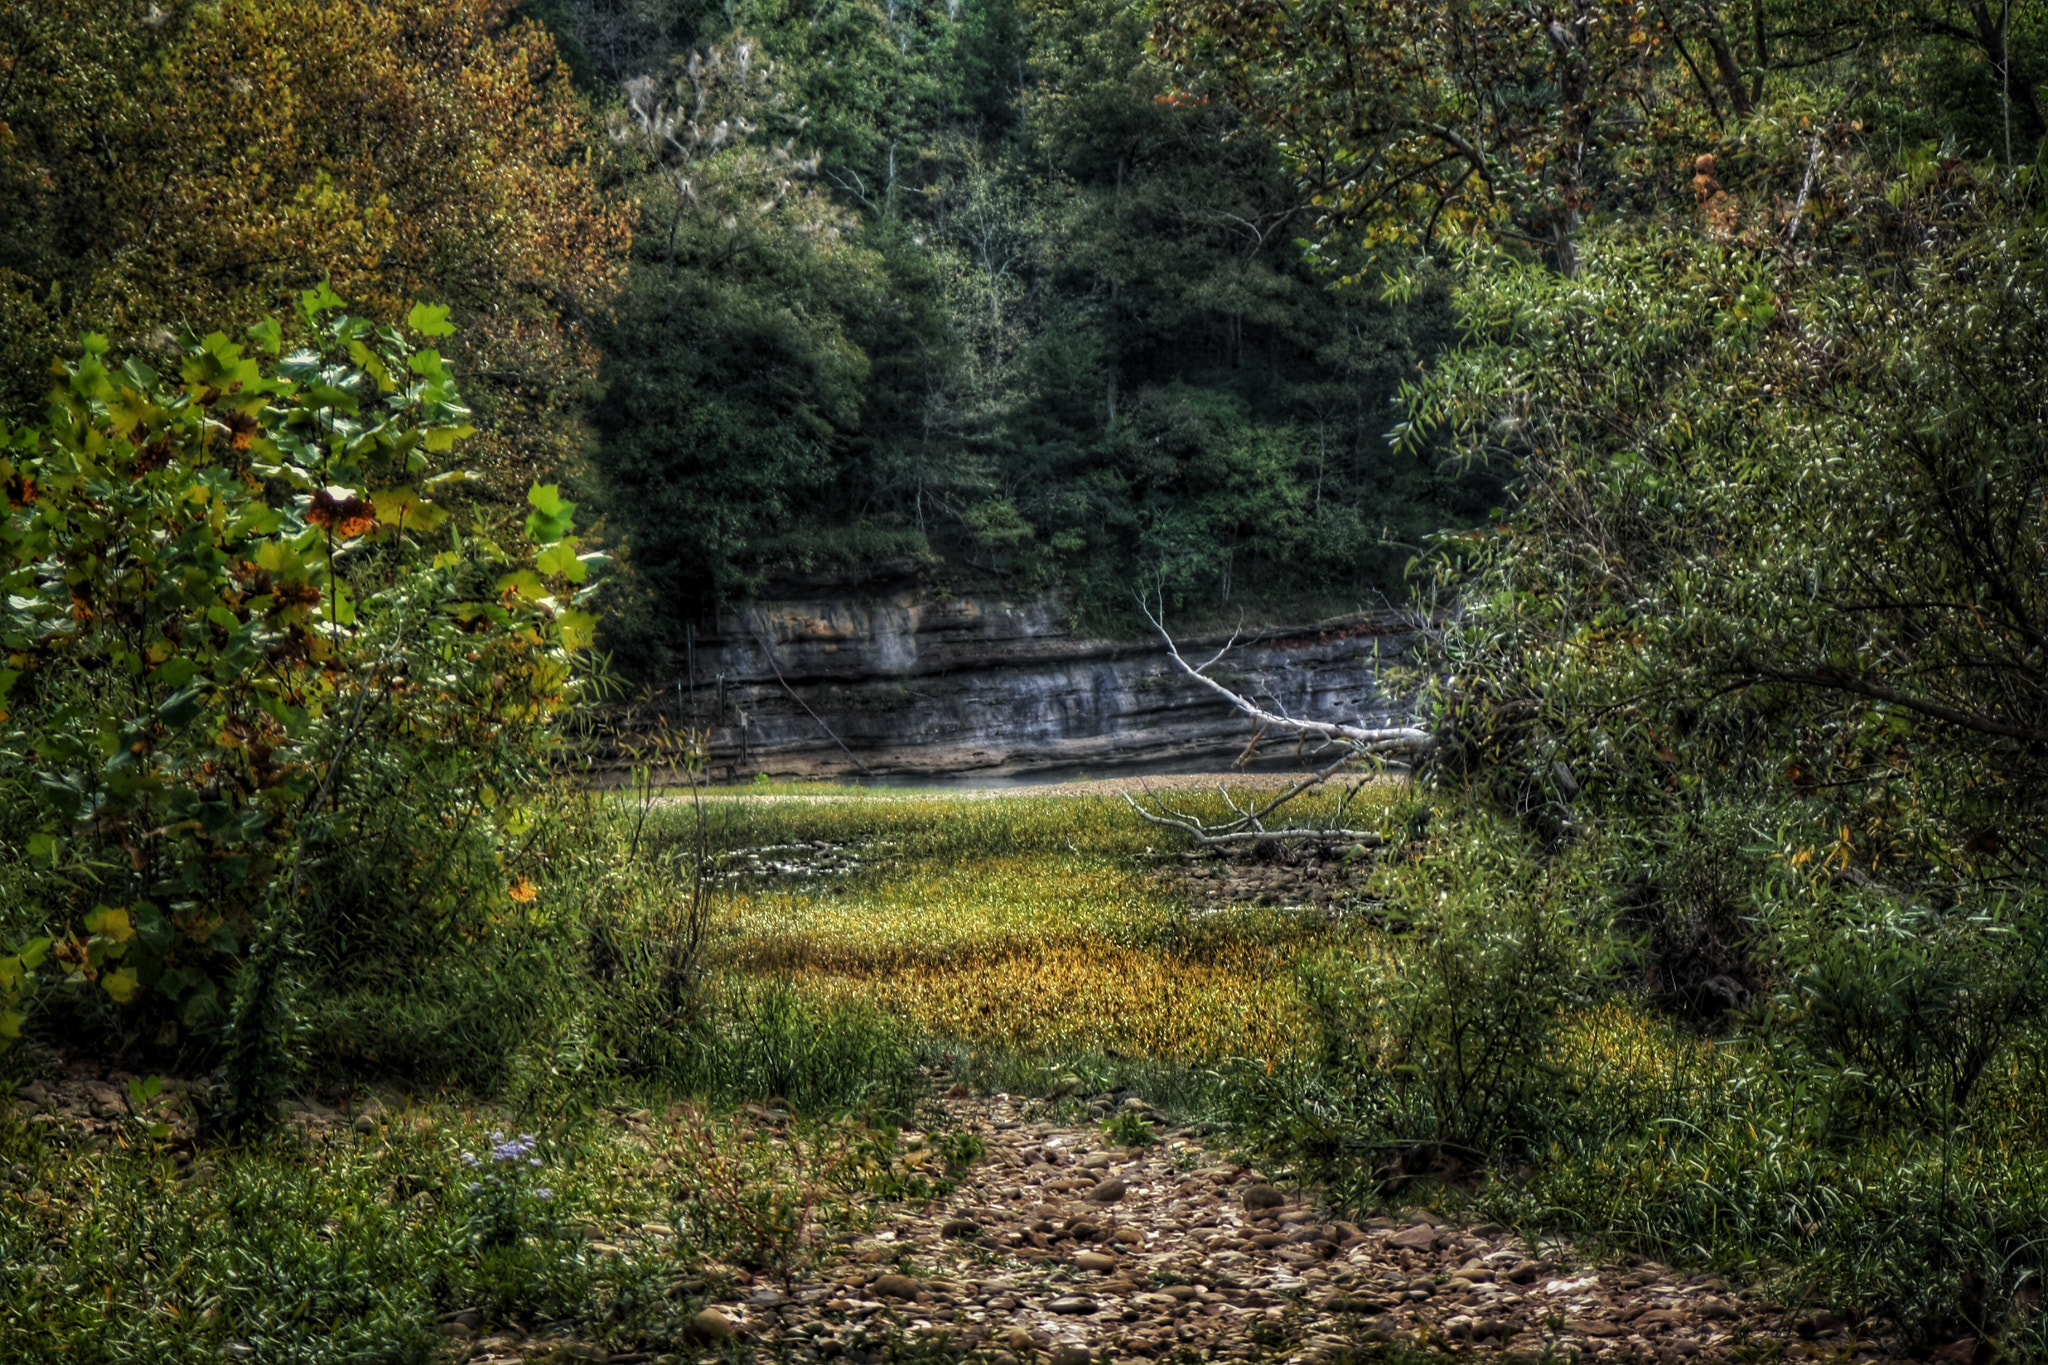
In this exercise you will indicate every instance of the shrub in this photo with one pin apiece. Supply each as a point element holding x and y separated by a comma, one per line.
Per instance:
<point>269,710</point>
<point>1439,1034</point>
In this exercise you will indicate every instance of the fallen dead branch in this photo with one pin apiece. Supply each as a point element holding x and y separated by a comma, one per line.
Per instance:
<point>1352,745</point>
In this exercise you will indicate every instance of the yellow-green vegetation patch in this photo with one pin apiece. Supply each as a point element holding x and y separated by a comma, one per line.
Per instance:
<point>924,914</point>
<point>1142,1003</point>
<point>1042,923</point>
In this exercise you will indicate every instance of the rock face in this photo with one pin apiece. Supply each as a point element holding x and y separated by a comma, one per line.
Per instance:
<point>919,682</point>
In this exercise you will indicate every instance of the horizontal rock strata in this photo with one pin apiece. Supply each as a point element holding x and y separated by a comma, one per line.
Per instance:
<point>913,683</point>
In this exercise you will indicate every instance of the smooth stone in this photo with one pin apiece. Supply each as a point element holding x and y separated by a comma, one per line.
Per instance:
<point>894,1287</point>
<point>1421,1237</point>
<point>1108,1192</point>
<point>1263,1197</point>
<point>1095,1260</point>
<point>1072,1303</point>
<point>711,1325</point>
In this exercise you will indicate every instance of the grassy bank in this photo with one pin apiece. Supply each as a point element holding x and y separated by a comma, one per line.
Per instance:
<point>1465,1023</point>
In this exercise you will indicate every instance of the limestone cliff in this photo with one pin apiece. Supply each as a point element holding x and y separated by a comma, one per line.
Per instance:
<point>922,683</point>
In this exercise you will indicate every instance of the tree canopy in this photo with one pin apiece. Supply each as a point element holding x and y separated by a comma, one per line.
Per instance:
<point>175,164</point>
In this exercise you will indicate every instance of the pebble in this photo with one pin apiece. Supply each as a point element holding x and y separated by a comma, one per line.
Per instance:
<point>1200,1260</point>
<point>894,1287</point>
<point>1263,1197</point>
<point>711,1326</point>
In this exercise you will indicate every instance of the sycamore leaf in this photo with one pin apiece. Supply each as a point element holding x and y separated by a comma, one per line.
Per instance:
<point>552,516</point>
<point>314,302</point>
<point>525,582</point>
<point>121,985</point>
<point>442,438</point>
<point>560,561</point>
<point>430,320</point>
<point>427,364</point>
<point>110,922</point>
<point>579,628</point>
<point>405,507</point>
<point>546,498</point>
<point>268,335</point>
<point>372,366</point>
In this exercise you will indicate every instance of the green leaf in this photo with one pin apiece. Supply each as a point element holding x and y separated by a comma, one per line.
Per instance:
<point>373,366</point>
<point>268,335</point>
<point>10,1024</point>
<point>110,922</point>
<point>430,320</point>
<point>579,628</point>
<point>440,439</point>
<point>552,516</point>
<point>8,678</point>
<point>405,507</point>
<point>179,707</point>
<point>42,848</point>
<point>323,299</point>
<point>525,582</point>
<point>546,498</point>
<point>177,672</point>
<point>559,561</point>
<point>341,605</point>
<point>427,364</point>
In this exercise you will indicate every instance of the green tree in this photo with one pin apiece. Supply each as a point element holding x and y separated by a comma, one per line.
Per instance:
<point>161,164</point>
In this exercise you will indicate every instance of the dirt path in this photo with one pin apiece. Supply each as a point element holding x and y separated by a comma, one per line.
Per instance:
<point>1061,1249</point>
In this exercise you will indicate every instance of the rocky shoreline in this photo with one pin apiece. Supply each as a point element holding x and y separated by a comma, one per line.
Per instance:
<point>1061,1247</point>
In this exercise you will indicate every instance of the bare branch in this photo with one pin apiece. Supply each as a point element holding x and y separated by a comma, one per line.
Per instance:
<point>1394,739</point>
<point>1355,743</point>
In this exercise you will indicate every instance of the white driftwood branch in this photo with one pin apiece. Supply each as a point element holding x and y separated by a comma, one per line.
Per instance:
<point>1355,742</point>
<point>1392,739</point>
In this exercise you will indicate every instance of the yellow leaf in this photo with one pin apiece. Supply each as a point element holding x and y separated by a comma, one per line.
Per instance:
<point>111,923</point>
<point>121,985</point>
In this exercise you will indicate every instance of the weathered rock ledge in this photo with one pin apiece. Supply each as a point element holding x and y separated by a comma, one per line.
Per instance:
<point>915,683</point>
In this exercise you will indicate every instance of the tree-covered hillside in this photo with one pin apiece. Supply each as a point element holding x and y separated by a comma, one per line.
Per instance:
<point>972,282</point>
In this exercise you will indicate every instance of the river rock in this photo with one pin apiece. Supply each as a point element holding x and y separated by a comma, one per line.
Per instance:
<point>894,1287</point>
<point>711,1326</point>
<point>1421,1237</point>
<point>1258,1197</point>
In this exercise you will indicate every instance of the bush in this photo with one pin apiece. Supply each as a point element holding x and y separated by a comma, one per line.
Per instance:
<point>1896,1013</point>
<point>271,714</point>
<point>1438,1035</point>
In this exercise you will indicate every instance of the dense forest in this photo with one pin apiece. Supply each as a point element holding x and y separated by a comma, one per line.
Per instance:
<point>962,284</point>
<point>970,284</point>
